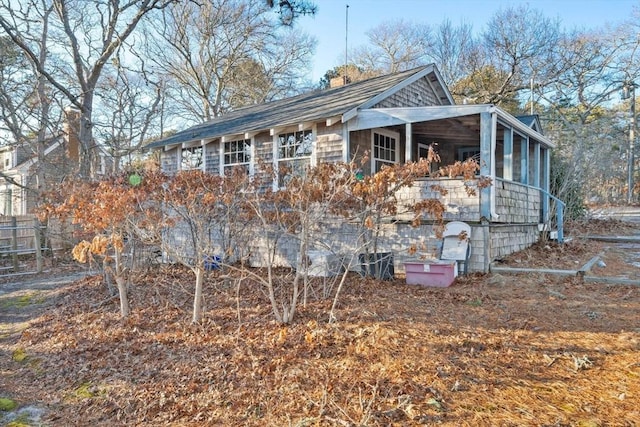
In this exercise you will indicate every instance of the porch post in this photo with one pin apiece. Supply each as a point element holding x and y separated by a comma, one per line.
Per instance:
<point>524,161</point>
<point>274,160</point>
<point>485,164</point>
<point>536,164</point>
<point>488,123</point>
<point>546,163</point>
<point>508,155</point>
<point>408,152</point>
<point>221,157</point>
<point>346,146</point>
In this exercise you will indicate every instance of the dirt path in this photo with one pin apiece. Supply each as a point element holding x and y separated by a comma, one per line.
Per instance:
<point>21,301</point>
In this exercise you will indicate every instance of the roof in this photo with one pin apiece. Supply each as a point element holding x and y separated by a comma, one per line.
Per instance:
<point>379,117</point>
<point>308,107</point>
<point>532,120</point>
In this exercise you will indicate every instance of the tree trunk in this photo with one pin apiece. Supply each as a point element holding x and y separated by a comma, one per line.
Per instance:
<point>121,282</point>
<point>107,276</point>
<point>124,298</point>
<point>85,137</point>
<point>197,299</point>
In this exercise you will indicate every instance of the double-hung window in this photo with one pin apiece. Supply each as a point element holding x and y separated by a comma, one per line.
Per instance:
<point>236,154</point>
<point>192,158</point>
<point>294,154</point>
<point>384,149</point>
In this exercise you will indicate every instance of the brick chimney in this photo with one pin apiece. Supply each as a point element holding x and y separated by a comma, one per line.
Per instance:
<point>71,129</point>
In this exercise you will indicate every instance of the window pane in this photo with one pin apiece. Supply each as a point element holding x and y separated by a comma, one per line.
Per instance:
<point>192,158</point>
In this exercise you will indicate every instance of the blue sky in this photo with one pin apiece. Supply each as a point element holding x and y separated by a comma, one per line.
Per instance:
<point>328,26</point>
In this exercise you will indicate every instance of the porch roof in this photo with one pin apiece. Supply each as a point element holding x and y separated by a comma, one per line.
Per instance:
<point>382,117</point>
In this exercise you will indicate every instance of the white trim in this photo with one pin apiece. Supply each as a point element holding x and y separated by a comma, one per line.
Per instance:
<point>312,157</point>
<point>333,120</point>
<point>223,153</point>
<point>221,157</point>
<point>387,133</point>
<point>346,142</point>
<point>408,142</point>
<point>382,117</point>
<point>202,158</point>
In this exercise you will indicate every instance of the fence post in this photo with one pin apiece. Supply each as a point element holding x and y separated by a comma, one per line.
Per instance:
<point>14,243</point>
<point>37,244</point>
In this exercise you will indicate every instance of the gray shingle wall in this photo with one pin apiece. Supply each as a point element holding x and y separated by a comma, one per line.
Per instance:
<point>329,143</point>
<point>169,161</point>
<point>417,94</point>
<point>459,205</point>
<point>343,238</point>
<point>212,158</point>
<point>506,240</point>
<point>517,204</point>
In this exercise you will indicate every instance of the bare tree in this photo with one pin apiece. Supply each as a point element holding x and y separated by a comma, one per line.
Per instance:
<point>394,46</point>
<point>128,112</point>
<point>519,44</point>
<point>89,34</point>
<point>223,54</point>
<point>588,129</point>
<point>452,49</point>
<point>30,116</point>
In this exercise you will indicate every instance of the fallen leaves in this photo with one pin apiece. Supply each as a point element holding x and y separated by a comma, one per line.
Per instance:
<point>472,354</point>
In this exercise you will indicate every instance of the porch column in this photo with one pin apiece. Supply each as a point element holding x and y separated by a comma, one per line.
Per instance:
<point>507,172</point>
<point>408,152</point>
<point>221,157</point>
<point>536,164</point>
<point>524,161</point>
<point>346,145</point>
<point>546,163</point>
<point>274,160</point>
<point>485,164</point>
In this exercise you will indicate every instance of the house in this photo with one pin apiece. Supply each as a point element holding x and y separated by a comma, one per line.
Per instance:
<point>20,167</point>
<point>395,117</point>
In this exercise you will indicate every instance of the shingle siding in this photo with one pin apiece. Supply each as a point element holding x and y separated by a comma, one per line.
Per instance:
<point>418,94</point>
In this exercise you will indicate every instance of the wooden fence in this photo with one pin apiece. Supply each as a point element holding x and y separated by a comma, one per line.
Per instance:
<point>24,241</point>
<point>25,245</point>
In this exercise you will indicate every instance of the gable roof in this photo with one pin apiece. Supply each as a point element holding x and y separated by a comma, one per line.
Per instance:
<point>532,120</point>
<point>308,107</point>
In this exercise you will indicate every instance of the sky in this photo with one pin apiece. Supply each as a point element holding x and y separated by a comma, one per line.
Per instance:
<point>329,23</point>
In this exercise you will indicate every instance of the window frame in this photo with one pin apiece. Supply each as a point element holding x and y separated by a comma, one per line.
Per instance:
<point>247,154</point>
<point>304,140</point>
<point>201,161</point>
<point>395,149</point>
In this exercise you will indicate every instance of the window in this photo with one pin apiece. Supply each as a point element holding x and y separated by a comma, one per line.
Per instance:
<point>237,153</point>
<point>192,158</point>
<point>7,205</point>
<point>385,150</point>
<point>294,154</point>
<point>468,153</point>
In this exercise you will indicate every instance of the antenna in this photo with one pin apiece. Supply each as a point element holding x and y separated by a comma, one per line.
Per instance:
<point>346,46</point>
<point>532,96</point>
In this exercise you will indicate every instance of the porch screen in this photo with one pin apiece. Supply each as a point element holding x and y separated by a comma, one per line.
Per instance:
<point>294,154</point>
<point>385,150</point>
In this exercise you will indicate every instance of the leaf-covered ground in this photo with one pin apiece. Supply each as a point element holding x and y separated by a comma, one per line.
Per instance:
<point>490,350</point>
